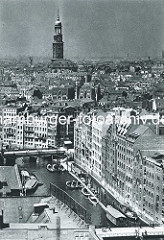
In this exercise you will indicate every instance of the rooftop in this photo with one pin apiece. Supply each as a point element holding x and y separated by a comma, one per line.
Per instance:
<point>10,175</point>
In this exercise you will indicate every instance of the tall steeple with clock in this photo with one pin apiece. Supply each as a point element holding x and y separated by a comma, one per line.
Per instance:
<point>58,62</point>
<point>58,40</point>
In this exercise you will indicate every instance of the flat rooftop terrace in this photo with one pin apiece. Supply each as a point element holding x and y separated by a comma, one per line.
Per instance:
<point>18,209</point>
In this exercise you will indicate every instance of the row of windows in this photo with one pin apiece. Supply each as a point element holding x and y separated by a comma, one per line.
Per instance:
<point>41,129</point>
<point>19,137</point>
<point>35,145</point>
<point>148,164</point>
<point>122,165</point>
<point>128,179</point>
<point>96,139</point>
<point>129,169</point>
<point>96,131</point>
<point>149,174</point>
<point>149,205</point>
<point>130,152</point>
<point>96,147</point>
<point>32,140</point>
<point>128,189</point>
<point>34,129</point>
<point>97,165</point>
<point>121,148</point>
<point>8,137</point>
<point>148,183</point>
<point>97,156</point>
<point>19,132</point>
<point>149,193</point>
<point>121,175</point>
<point>122,156</point>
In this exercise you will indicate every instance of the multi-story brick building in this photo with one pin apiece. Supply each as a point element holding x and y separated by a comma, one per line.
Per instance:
<point>89,130</point>
<point>118,159</point>
<point>31,132</point>
<point>8,125</point>
<point>148,185</point>
<point>83,145</point>
<point>35,132</point>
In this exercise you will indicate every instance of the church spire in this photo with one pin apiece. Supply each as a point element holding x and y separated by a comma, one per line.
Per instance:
<point>58,16</point>
<point>58,22</point>
<point>58,42</point>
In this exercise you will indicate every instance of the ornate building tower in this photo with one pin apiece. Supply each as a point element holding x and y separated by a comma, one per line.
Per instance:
<point>58,62</point>
<point>58,41</point>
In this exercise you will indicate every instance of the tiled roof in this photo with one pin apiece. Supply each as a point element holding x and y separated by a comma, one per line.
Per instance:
<point>151,144</point>
<point>136,130</point>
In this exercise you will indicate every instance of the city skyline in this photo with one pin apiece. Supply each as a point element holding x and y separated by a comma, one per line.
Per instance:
<point>91,28</point>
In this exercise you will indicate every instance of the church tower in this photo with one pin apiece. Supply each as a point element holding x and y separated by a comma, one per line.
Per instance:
<point>58,62</point>
<point>58,40</point>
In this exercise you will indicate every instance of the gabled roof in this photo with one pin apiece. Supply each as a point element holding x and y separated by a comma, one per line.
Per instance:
<point>136,131</point>
<point>151,144</point>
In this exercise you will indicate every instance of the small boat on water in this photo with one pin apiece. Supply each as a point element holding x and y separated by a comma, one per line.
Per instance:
<point>73,184</point>
<point>50,168</point>
<point>55,168</point>
<point>68,184</point>
<point>31,183</point>
<point>131,215</point>
<point>61,168</point>
<point>115,216</point>
<point>94,191</point>
<point>85,192</point>
<point>128,212</point>
<point>82,179</point>
<point>78,185</point>
<point>93,200</point>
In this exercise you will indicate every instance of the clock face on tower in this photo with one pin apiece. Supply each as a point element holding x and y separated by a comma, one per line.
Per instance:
<point>58,38</point>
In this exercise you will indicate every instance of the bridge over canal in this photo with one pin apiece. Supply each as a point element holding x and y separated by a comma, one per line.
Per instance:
<point>33,152</point>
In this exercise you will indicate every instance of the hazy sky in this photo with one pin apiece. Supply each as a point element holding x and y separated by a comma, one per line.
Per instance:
<point>91,28</point>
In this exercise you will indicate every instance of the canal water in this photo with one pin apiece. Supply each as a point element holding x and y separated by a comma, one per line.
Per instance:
<point>38,168</point>
<point>45,177</point>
